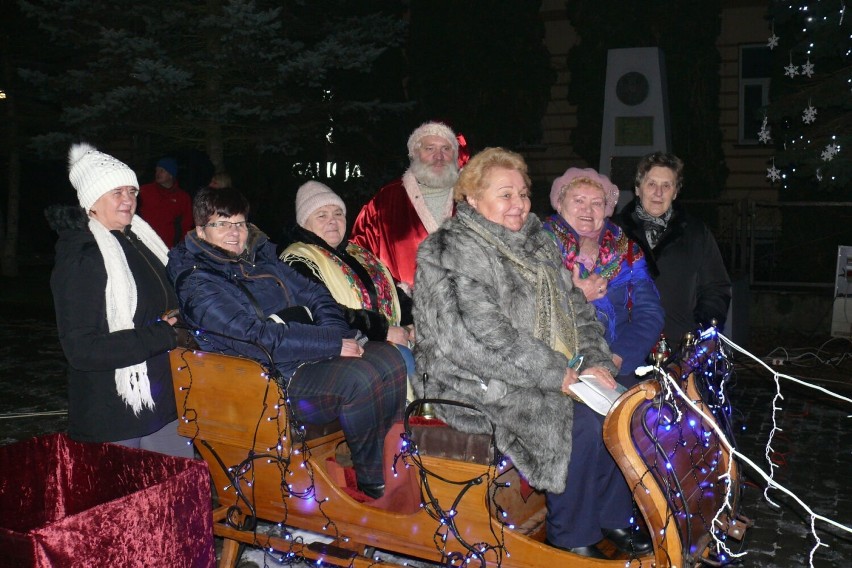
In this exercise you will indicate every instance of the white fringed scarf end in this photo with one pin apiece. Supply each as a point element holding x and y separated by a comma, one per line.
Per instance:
<point>131,382</point>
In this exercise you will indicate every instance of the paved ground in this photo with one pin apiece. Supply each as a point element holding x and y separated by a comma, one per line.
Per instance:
<point>813,448</point>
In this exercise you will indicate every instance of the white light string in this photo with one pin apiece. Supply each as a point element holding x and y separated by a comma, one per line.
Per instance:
<point>673,383</point>
<point>782,375</point>
<point>32,414</point>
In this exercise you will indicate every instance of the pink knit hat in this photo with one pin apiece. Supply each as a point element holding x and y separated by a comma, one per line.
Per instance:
<point>432,129</point>
<point>311,196</point>
<point>610,190</point>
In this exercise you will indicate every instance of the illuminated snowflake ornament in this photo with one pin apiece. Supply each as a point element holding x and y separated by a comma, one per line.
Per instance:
<point>808,69</point>
<point>791,70</point>
<point>830,152</point>
<point>772,42</point>
<point>764,134</point>
<point>809,116</point>
<point>773,173</point>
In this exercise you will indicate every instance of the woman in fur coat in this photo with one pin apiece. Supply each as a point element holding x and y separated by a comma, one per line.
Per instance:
<point>498,320</point>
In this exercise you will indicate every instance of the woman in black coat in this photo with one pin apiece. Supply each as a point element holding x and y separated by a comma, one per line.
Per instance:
<point>111,294</point>
<point>682,254</point>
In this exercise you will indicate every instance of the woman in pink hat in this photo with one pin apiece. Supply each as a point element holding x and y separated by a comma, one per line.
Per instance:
<point>608,267</point>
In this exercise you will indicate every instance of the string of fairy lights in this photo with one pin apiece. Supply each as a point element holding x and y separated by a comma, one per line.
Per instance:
<point>291,449</point>
<point>697,430</point>
<point>821,141</point>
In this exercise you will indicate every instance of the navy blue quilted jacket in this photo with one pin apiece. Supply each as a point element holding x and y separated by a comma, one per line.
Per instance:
<point>220,294</point>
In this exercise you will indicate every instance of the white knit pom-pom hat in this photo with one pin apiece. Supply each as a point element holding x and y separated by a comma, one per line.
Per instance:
<point>93,173</point>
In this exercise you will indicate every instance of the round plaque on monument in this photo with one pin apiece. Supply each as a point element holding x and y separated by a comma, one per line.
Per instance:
<point>632,88</point>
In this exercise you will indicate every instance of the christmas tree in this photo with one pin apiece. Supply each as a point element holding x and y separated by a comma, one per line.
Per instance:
<point>808,118</point>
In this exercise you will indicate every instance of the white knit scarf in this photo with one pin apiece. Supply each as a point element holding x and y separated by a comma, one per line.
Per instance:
<point>131,382</point>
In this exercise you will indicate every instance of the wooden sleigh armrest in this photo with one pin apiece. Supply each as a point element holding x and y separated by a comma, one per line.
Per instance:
<point>233,400</point>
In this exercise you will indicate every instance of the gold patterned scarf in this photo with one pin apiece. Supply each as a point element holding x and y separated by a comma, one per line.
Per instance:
<point>555,321</point>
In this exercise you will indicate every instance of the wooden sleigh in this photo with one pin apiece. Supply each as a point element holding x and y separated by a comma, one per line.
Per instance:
<point>449,498</point>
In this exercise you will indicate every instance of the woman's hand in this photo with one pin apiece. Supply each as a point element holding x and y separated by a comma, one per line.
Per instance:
<point>170,317</point>
<point>602,374</point>
<point>617,361</point>
<point>570,378</point>
<point>351,349</point>
<point>398,335</point>
<point>593,287</point>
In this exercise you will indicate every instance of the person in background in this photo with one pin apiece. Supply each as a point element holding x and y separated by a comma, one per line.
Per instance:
<point>397,219</point>
<point>499,324</point>
<point>234,290</point>
<point>220,180</point>
<point>359,282</point>
<point>681,252</point>
<point>113,302</point>
<point>608,267</point>
<point>164,205</point>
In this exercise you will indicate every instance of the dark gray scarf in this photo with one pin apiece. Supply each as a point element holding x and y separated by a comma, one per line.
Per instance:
<point>654,226</point>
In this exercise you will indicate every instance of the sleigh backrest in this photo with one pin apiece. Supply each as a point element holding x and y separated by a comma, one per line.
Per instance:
<point>227,400</point>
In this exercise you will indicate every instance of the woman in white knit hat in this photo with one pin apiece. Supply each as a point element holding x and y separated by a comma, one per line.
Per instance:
<point>111,294</point>
<point>355,277</point>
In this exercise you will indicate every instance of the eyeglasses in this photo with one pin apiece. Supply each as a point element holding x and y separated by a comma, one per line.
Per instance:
<point>225,225</point>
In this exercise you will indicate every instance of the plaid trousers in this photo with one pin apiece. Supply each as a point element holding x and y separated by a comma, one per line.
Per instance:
<point>366,394</point>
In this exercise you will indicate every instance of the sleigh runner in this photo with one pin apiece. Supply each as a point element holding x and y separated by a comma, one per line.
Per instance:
<point>451,497</point>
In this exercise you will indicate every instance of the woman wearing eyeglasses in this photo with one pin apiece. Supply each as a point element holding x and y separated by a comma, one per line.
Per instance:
<point>232,287</point>
<point>111,292</point>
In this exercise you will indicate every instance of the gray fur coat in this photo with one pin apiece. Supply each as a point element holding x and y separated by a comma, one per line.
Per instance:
<point>475,316</point>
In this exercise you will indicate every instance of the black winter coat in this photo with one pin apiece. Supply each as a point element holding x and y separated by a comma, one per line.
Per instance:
<point>687,268</point>
<point>96,413</point>
<point>223,293</point>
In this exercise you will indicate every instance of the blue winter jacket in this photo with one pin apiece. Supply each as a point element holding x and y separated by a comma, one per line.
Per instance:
<point>220,295</point>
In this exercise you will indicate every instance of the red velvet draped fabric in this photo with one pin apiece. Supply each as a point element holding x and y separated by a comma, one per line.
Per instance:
<point>67,503</point>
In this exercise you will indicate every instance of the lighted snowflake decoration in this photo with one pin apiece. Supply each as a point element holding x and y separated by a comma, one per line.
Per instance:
<point>809,116</point>
<point>764,134</point>
<point>808,69</point>
<point>791,70</point>
<point>773,173</point>
<point>772,42</point>
<point>830,152</point>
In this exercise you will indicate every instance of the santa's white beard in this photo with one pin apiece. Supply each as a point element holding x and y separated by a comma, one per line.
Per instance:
<point>429,176</point>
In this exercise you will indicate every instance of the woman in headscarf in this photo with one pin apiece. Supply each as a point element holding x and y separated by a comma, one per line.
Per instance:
<point>607,266</point>
<point>112,299</point>
<point>360,283</point>
<point>498,325</point>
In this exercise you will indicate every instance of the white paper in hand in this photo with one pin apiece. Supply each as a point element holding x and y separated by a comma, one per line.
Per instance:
<point>595,394</point>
